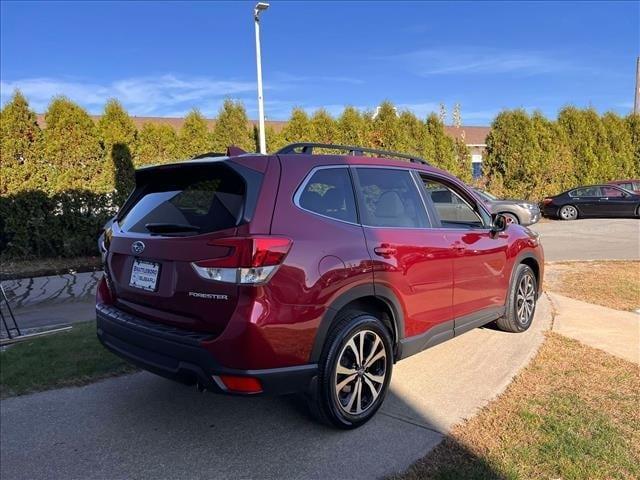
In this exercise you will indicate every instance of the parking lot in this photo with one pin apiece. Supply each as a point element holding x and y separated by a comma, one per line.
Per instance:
<point>590,239</point>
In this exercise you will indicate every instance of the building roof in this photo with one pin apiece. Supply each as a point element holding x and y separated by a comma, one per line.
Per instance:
<point>471,135</point>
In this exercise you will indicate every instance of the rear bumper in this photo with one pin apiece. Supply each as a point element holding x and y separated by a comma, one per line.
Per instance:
<point>177,354</point>
<point>549,211</point>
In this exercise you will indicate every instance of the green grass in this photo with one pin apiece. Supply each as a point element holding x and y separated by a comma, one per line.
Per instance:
<point>572,414</point>
<point>60,360</point>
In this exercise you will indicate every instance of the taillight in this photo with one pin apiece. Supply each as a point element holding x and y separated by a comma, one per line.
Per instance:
<point>103,292</point>
<point>547,201</point>
<point>250,260</point>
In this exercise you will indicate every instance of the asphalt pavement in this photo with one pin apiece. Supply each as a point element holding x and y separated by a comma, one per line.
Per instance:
<point>590,239</point>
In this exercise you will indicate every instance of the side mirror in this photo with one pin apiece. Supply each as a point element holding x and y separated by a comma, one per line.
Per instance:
<point>498,223</point>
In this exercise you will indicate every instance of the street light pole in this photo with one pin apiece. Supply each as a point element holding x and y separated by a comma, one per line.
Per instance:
<point>636,103</point>
<point>256,16</point>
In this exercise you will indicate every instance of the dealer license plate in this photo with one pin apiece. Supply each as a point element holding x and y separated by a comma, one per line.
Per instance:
<point>144,275</point>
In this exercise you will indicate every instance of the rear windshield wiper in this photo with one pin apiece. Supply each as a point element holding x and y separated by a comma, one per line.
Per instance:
<point>171,227</point>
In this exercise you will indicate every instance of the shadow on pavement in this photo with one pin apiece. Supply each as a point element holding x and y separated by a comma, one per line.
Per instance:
<point>143,426</point>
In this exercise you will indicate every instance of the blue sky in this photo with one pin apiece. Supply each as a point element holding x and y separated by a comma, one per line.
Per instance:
<point>164,58</point>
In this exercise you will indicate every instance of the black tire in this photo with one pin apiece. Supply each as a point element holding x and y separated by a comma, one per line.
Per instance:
<point>638,211</point>
<point>523,286</point>
<point>568,212</point>
<point>512,219</point>
<point>326,403</point>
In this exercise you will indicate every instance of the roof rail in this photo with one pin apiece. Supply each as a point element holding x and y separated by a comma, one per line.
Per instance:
<point>307,147</point>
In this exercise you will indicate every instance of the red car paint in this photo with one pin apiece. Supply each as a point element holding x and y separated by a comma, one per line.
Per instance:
<point>429,275</point>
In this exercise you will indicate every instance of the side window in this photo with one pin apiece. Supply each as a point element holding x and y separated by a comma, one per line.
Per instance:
<point>389,198</point>
<point>453,211</point>
<point>586,192</point>
<point>612,192</point>
<point>329,193</point>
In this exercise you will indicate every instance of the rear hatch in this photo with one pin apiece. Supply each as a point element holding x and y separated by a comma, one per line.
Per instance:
<point>174,218</point>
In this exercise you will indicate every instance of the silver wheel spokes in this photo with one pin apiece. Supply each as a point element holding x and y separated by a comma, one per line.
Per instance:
<point>361,372</point>
<point>568,212</point>
<point>525,299</point>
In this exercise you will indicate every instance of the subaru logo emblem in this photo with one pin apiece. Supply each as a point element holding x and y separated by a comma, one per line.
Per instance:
<point>137,247</point>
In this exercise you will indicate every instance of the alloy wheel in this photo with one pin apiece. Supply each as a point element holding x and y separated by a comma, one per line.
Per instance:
<point>361,372</point>
<point>511,219</point>
<point>568,212</point>
<point>525,299</point>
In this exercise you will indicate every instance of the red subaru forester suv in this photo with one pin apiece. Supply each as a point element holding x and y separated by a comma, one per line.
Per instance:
<point>303,272</point>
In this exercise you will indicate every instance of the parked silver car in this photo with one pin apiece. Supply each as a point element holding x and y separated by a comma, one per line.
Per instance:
<point>516,211</point>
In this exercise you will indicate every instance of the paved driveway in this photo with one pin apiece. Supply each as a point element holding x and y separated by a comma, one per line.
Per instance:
<point>142,426</point>
<point>590,239</point>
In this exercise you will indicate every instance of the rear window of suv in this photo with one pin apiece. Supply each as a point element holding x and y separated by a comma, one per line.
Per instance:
<point>187,200</point>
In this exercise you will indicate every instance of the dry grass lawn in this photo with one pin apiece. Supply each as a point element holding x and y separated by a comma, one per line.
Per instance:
<point>613,284</point>
<point>572,414</point>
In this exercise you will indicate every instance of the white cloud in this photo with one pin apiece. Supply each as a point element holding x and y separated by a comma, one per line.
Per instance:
<point>141,96</point>
<point>480,60</point>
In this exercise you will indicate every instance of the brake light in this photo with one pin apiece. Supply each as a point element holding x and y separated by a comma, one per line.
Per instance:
<point>249,260</point>
<point>547,201</point>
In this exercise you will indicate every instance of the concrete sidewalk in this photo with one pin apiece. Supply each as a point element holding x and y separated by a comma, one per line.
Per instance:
<point>143,426</point>
<point>614,331</point>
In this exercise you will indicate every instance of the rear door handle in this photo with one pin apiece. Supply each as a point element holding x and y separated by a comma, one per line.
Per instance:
<point>385,250</point>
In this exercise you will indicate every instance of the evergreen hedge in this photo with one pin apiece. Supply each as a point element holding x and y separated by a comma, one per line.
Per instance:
<point>60,184</point>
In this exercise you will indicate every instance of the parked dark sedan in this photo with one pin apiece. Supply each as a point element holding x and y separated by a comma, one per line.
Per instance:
<point>592,201</point>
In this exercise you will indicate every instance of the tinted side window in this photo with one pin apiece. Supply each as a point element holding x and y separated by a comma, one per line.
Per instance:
<point>329,192</point>
<point>586,192</point>
<point>389,198</point>
<point>452,210</point>
<point>612,192</point>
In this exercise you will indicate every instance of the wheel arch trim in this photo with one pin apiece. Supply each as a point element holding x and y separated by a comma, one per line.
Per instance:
<point>381,293</point>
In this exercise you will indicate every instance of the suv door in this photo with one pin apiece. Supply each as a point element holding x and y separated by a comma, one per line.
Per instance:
<point>409,258</point>
<point>480,269</point>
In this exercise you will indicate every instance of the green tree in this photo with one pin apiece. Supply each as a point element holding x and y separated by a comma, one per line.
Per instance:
<point>232,128</point>
<point>323,127</point>
<point>353,128</point>
<point>275,139</point>
<point>550,169</point>
<point>72,150</point>
<point>298,128</point>
<point>385,128</point>
<point>445,155</point>
<point>194,135</point>
<point>587,139</point>
<point>118,137</point>
<point>620,143</point>
<point>414,137</point>
<point>20,147</point>
<point>158,143</point>
<point>633,125</point>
